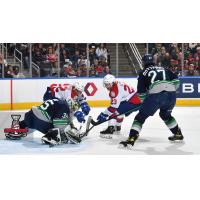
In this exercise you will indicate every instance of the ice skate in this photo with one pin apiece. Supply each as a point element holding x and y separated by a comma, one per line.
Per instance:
<point>107,133</point>
<point>129,143</point>
<point>176,137</point>
<point>117,130</point>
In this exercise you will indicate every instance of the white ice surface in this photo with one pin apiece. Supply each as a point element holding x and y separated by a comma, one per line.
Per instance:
<point>153,138</point>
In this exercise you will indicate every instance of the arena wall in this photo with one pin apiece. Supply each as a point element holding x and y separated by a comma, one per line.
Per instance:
<point>23,93</point>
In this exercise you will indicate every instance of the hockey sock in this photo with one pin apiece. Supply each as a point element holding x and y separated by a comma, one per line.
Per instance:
<point>136,128</point>
<point>174,130</point>
<point>133,133</point>
<point>172,125</point>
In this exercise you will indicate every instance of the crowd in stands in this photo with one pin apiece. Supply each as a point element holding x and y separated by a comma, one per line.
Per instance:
<point>170,55</point>
<point>73,61</point>
<point>72,58</point>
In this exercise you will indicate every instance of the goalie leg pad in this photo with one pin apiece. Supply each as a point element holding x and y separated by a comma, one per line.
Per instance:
<point>73,138</point>
<point>72,135</point>
<point>53,137</point>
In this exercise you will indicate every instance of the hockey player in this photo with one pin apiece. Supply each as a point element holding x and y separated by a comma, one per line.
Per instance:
<point>53,118</point>
<point>74,91</point>
<point>124,100</point>
<point>159,85</point>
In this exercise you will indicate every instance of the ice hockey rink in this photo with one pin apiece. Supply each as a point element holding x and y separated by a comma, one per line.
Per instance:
<point>153,138</point>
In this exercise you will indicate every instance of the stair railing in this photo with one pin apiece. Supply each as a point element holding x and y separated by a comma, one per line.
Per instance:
<point>4,50</point>
<point>36,67</point>
<point>130,59</point>
<point>16,51</point>
<point>4,53</point>
<point>136,53</point>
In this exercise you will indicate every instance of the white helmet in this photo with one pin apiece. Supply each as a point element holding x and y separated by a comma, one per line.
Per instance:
<point>108,80</point>
<point>78,86</point>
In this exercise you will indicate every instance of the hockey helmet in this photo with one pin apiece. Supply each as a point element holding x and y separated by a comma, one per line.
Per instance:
<point>78,86</point>
<point>108,81</point>
<point>147,60</point>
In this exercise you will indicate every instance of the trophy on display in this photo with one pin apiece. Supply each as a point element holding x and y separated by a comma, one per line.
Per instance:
<point>15,132</point>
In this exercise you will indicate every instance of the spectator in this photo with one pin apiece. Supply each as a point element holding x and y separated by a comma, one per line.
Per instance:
<point>82,70</point>
<point>25,53</point>
<point>68,70</point>
<point>2,62</point>
<point>191,71</point>
<point>92,54</point>
<point>75,58</point>
<point>51,56</point>
<point>161,57</point>
<point>102,52</point>
<point>99,68</point>
<point>166,60</point>
<point>192,47</point>
<point>197,57</point>
<point>16,73</point>
<point>82,61</point>
<point>155,58</point>
<point>187,51</point>
<point>92,72</point>
<point>106,71</point>
<point>8,73</point>
<point>173,51</point>
<point>38,57</point>
<point>174,66</point>
<point>64,56</point>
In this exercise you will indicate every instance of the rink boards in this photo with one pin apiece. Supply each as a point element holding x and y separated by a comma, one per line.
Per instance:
<point>23,93</point>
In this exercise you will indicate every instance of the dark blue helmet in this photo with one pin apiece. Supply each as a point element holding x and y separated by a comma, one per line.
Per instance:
<point>147,60</point>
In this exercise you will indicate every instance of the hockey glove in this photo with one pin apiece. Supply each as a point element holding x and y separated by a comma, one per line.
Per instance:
<point>85,108</point>
<point>80,116</point>
<point>102,117</point>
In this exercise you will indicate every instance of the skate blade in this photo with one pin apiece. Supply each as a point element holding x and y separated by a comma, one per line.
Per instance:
<point>107,136</point>
<point>117,133</point>
<point>177,141</point>
<point>128,147</point>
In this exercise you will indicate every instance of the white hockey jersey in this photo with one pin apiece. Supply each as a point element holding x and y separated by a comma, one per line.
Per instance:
<point>67,93</point>
<point>119,92</point>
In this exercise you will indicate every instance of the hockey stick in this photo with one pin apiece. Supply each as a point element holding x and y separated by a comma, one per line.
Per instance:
<point>91,121</point>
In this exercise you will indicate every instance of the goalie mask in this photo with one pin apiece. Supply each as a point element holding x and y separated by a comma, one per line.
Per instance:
<point>73,105</point>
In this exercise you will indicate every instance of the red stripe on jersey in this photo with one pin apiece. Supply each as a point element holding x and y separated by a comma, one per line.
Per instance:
<point>135,99</point>
<point>114,91</point>
<point>111,109</point>
<point>74,94</point>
